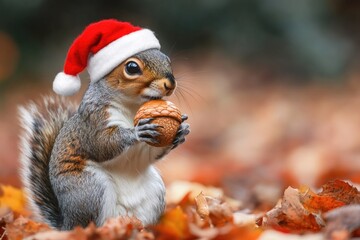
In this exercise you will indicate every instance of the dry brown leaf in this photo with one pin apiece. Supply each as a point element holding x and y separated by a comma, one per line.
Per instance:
<point>23,227</point>
<point>51,235</point>
<point>6,216</point>
<point>334,194</point>
<point>202,217</point>
<point>214,210</point>
<point>291,216</point>
<point>202,207</point>
<point>113,229</point>
<point>316,203</point>
<point>209,217</point>
<point>220,212</point>
<point>301,210</point>
<point>341,191</point>
<point>119,227</point>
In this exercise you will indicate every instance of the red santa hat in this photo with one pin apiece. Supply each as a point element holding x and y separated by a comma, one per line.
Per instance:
<point>100,48</point>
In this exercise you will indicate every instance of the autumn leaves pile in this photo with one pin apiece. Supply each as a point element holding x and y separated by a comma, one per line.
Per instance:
<point>331,213</point>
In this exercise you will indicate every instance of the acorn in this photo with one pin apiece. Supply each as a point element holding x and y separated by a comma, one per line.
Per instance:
<point>166,115</point>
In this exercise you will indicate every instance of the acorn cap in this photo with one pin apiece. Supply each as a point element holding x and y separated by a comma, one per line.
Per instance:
<point>157,108</point>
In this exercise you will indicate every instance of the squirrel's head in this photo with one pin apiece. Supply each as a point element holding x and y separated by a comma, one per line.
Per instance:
<point>125,56</point>
<point>144,76</point>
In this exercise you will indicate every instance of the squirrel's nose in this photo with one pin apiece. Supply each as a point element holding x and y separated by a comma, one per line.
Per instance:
<point>171,78</point>
<point>169,84</point>
<point>168,88</point>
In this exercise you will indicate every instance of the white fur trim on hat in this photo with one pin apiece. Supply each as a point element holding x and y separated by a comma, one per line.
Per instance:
<point>65,84</point>
<point>105,60</point>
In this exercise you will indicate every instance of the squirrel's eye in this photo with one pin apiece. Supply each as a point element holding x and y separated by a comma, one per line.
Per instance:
<point>132,68</point>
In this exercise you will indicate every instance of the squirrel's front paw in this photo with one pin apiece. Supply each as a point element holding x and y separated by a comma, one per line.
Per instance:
<point>184,130</point>
<point>146,131</point>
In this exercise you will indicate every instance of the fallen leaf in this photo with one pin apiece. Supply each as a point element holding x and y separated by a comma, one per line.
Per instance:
<point>341,191</point>
<point>220,212</point>
<point>13,198</point>
<point>120,227</point>
<point>184,202</point>
<point>173,225</point>
<point>334,194</point>
<point>213,216</point>
<point>342,222</point>
<point>2,230</point>
<point>203,233</point>
<point>51,235</point>
<point>291,216</point>
<point>272,235</point>
<point>316,203</point>
<point>302,210</point>
<point>23,227</point>
<point>238,233</point>
<point>229,231</point>
<point>113,229</point>
<point>179,189</point>
<point>202,207</point>
<point>244,219</point>
<point>6,216</point>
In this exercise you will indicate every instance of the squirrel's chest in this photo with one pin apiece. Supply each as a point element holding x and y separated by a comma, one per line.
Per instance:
<point>140,195</point>
<point>120,116</point>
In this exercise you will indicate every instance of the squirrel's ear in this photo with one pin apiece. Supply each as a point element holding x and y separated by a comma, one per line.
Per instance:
<point>65,84</point>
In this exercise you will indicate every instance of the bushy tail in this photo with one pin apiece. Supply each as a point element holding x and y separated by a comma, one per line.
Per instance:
<point>41,124</point>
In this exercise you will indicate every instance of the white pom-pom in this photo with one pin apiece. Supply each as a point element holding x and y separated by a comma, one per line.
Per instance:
<point>65,84</point>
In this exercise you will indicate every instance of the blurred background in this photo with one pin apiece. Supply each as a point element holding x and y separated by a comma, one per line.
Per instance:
<point>271,87</point>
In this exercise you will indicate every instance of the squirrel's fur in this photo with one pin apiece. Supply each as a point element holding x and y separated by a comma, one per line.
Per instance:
<point>88,164</point>
<point>41,124</point>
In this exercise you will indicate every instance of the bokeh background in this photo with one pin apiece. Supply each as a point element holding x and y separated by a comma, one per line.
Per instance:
<point>271,87</point>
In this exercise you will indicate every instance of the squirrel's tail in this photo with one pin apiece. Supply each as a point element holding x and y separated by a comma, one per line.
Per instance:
<point>41,124</point>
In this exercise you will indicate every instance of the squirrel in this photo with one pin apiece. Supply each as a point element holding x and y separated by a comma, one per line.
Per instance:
<point>89,163</point>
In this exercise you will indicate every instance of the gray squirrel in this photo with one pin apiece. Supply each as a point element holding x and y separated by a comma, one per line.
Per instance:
<point>89,163</point>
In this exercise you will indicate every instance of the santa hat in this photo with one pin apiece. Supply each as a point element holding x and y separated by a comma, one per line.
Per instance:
<point>100,48</point>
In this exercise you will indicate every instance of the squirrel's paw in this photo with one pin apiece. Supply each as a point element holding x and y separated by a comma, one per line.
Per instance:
<point>146,131</point>
<point>184,130</point>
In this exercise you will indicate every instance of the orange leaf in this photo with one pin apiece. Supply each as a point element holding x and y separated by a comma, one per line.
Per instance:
<point>290,215</point>
<point>113,229</point>
<point>341,191</point>
<point>335,194</point>
<point>23,227</point>
<point>302,209</point>
<point>240,233</point>
<point>173,225</point>
<point>186,201</point>
<point>318,204</point>
<point>229,231</point>
<point>12,198</point>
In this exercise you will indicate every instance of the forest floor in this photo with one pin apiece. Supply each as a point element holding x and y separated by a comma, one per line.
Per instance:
<point>264,160</point>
